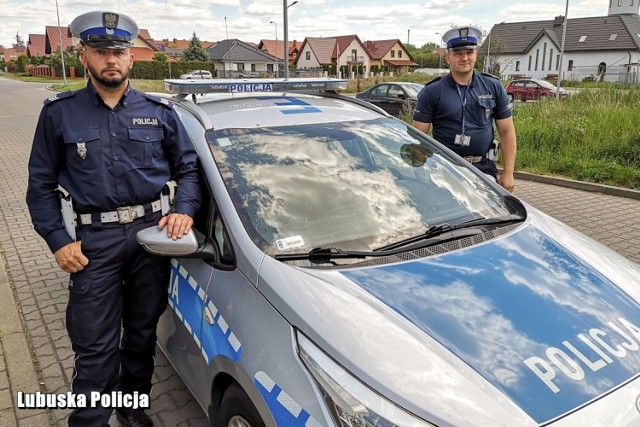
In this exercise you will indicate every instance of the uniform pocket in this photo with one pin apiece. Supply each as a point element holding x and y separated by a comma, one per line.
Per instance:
<point>83,148</point>
<point>146,145</point>
<point>80,314</point>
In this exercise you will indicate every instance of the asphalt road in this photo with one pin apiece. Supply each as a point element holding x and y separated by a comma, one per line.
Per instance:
<point>35,353</point>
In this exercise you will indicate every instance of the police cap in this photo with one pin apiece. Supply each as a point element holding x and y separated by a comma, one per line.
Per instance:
<point>104,30</point>
<point>466,37</point>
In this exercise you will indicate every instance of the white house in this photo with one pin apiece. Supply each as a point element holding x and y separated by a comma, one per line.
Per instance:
<point>603,48</point>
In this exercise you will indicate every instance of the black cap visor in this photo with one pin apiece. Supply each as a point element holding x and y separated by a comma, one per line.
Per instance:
<point>107,41</point>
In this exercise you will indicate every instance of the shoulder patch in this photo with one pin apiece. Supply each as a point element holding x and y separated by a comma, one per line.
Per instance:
<point>158,100</point>
<point>58,97</point>
<point>433,81</point>
<point>489,75</point>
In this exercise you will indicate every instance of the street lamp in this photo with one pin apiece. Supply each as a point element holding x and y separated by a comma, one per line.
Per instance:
<point>276,26</point>
<point>439,53</point>
<point>564,34</point>
<point>285,12</point>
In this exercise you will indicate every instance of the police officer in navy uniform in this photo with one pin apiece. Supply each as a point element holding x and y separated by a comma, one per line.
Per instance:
<point>113,149</point>
<point>463,106</point>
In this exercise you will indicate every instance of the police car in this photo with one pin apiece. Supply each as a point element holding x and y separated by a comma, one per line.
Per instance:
<point>348,270</point>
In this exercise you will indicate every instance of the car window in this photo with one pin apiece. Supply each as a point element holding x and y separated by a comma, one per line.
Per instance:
<point>344,184</point>
<point>413,89</point>
<point>395,91</point>
<point>381,90</point>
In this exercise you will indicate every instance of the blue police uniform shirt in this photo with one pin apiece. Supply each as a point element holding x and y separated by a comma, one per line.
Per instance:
<point>107,158</point>
<point>441,104</point>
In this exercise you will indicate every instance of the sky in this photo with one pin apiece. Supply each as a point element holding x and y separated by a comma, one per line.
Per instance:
<point>413,21</point>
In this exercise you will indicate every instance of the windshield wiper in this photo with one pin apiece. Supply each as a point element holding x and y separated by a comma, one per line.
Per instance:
<point>324,255</point>
<point>439,229</point>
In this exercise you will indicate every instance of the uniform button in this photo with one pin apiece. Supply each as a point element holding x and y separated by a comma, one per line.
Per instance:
<point>113,134</point>
<point>146,137</point>
<point>80,139</point>
<point>116,158</point>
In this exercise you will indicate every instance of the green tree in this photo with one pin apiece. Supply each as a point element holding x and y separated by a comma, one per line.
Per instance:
<point>21,62</point>
<point>19,41</point>
<point>160,57</point>
<point>195,51</point>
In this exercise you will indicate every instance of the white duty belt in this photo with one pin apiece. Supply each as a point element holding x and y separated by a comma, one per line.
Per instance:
<point>122,215</point>
<point>474,159</point>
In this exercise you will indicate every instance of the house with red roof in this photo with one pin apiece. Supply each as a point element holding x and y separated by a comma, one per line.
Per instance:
<point>36,46</point>
<point>347,53</point>
<point>56,37</point>
<point>390,54</point>
<point>276,48</point>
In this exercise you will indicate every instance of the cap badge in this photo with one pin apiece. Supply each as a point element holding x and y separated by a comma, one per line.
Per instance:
<point>110,21</point>
<point>464,32</point>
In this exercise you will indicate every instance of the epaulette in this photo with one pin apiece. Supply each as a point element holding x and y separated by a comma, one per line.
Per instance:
<point>434,80</point>
<point>158,100</point>
<point>58,97</point>
<point>489,75</point>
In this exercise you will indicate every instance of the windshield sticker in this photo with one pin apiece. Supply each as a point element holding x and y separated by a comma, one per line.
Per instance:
<point>289,242</point>
<point>224,142</point>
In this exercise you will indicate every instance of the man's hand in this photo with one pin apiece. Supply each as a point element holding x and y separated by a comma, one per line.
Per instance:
<point>177,225</point>
<point>507,181</point>
<point>70,258</point>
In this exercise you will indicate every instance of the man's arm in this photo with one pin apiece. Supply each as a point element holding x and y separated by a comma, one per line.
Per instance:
<point>424,127</point>
<point>507,132</point>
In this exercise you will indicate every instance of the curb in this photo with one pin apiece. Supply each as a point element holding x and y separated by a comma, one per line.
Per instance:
<point>15,355</point>
<point>579,185</point>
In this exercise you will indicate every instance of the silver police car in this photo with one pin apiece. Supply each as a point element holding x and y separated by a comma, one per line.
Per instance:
<point>347,270</point>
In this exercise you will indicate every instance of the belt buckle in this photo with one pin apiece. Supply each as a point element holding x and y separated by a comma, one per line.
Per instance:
<point>125,215</point>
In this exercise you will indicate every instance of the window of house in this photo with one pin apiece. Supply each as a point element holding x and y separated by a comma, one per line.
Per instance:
<point>537,56</point>
<point>550,59</point>
<point>399,54</point>
<point>517,65</point>
<point>612,37</point>
<point>308,56</point>
<point>582,39</point>
<point>557,62</point>
<point>354,55</point>
<point>294,54</point>
<point>529,69</point>
<point>544,56</point>
<point>631,3</point>
<point>570,67</point>
<point>619,3</point>
<point>393,53</point>
<point>240,66</point>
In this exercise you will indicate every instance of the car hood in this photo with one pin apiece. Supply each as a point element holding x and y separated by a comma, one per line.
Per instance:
<point>523,329</point>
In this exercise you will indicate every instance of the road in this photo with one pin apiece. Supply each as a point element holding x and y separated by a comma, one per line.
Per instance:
<point>35,352</point>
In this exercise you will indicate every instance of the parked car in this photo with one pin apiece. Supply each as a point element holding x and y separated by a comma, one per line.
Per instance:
<point>531,89</point>
<point>346,269</point>
<point>396,98</point>
<point>250,74</point>
<point>197,74</point>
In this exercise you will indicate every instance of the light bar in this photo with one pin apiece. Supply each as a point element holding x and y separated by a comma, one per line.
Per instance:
<point>254,85</point>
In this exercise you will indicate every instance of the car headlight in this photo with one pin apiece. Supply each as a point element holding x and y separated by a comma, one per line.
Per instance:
<point>351,403</point>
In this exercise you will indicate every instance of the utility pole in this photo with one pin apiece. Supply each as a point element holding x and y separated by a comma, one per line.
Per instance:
<point>564,35</point>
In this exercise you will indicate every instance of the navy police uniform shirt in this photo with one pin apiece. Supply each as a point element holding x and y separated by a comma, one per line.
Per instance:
<point>441,101</point>
<point>107,158</point>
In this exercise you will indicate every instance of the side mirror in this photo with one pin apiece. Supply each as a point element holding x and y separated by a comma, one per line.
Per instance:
<point>155,241</point>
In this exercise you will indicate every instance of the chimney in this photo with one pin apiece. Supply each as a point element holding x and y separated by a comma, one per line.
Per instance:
<point>558,21</point>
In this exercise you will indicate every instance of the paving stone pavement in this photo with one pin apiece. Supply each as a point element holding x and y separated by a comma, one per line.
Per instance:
<point>35,353</point>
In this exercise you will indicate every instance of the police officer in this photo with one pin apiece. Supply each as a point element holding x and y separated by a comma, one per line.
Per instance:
<point>113,149</point>
<point>463,105</point>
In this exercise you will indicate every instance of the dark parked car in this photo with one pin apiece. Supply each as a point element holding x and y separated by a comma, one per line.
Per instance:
<point>393,97</point>
<point>531,89</point>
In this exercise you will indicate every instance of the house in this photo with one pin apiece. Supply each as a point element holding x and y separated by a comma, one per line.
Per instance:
<point>276,48</point>
<point>346,53</point>
<point>36,46</point>
<point>175,47</point>
<point>605,48</point>
<point>56,37</point>
<point>235,58</point>
<point>390,54</point>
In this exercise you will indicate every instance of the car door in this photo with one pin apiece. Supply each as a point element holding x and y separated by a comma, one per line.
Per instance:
<point>396,97</point>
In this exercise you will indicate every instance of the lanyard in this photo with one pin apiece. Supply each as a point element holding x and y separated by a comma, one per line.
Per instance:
<point>463,99</point>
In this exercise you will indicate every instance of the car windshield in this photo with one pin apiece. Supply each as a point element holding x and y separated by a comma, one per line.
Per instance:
<point>353,185</point>
<point>546,84</point>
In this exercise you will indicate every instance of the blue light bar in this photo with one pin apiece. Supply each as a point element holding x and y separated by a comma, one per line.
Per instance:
<point>254,85</point>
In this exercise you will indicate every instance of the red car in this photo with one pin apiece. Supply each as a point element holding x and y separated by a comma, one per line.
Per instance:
<point>531,89</point>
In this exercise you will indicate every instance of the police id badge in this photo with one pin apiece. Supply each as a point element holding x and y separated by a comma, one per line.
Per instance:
<point>82,150</point>
<point>462,140</point>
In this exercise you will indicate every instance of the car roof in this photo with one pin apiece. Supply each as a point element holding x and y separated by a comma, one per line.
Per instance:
<point>271,108</point>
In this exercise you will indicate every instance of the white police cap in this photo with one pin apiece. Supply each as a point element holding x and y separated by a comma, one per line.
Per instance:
<point>105,29</point>
<point>462,37</point>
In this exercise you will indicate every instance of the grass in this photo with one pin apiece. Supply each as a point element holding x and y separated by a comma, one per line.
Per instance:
<point>592,136</point>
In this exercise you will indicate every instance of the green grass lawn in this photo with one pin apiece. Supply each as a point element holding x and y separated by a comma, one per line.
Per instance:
<point>592,136</point>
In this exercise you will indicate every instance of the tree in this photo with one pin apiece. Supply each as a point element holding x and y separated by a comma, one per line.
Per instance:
<point>160,57</point>
<point>19,44</point>
<point>195,51</point>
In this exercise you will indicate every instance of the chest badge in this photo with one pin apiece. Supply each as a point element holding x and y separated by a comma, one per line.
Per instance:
<point>82,150</point>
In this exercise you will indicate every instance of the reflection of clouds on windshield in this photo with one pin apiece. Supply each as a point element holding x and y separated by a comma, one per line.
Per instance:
<point>349,202</point>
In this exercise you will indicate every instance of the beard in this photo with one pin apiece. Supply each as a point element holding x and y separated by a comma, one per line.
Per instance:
<point>110,82</point>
